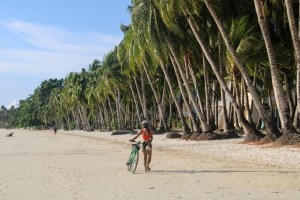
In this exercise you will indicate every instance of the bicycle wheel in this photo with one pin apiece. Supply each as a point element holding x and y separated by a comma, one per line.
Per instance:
<point>134,162</point>
<point>129,162</point>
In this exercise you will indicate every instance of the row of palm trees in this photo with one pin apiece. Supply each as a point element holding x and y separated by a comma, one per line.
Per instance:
<point>188,64</point>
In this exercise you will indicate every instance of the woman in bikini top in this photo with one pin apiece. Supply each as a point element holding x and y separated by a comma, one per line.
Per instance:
<point>147,146</point>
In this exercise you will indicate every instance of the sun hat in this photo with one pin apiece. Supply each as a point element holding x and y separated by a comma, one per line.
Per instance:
<point>144,122</point>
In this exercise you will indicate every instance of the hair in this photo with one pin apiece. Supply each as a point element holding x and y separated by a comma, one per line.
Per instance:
<point>145,125</point>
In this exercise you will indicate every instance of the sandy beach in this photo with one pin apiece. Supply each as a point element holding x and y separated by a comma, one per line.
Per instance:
<point>38,165</point>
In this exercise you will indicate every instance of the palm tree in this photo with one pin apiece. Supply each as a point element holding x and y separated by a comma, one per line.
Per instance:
<point>111,80</point>
<point>296,43</point>
<point>142,21</point>
<point>280,98</point>
<point>163,32</point>
<point>227,126</point>
<point>187,105</point>
<point>245,39</point>
<point>127,69</point>
<point>272,132</point>
<point>134,60</point>
<point>72,94</point>
<point>205,126</point>
<point>252,133</point>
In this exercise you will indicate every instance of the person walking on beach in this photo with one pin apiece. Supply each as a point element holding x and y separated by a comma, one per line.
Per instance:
<point>147,135</point>
<point>55,130</point>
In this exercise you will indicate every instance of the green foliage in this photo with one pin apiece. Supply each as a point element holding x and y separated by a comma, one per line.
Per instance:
<point>177,124</point>
<point>25,115</point>
<point>88,98</point>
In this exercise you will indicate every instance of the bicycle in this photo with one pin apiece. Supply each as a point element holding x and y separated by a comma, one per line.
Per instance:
<point>133,157</point>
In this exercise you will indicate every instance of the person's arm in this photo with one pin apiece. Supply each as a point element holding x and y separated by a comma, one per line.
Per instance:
<point>151,136</point>
<point>135,136</point>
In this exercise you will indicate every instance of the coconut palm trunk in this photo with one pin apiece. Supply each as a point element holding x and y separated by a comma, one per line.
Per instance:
<point>185,127</point>
<point>281,101</point>
<point>111,110</point>
<point>226,125</point>
<point>296,44</point>
<point>140,97</point>
<point>119,105</point>
<point>192,73</point>
<point>288,90</point>
<point>106,116</point>
<point>137,108</point>
<point>170,112</point>
<point>161,112</point>
<point>205,126</point>
<point>163,106</point>
<point>186,103</point>
<point>207,90</point>
<point>247,107</point>
<point>118,110</point>
<point>144,97</point>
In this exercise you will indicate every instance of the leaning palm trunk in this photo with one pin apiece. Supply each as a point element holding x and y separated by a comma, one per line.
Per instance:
<point>195,86</point>
<point>288,90</point>
<point>106,116</point>
<point>118,105</point>
<point>252,133</point>
<point>272,131</point>
<point>185,127</point>
<point>170,112</point>
<point>296,43</point>
<point>236,94</point>
<point>207,92</point>
<point>67,119</point>
<point>163,106</point>
<point>80,118</point>
<point>161,112</point>
<point>111,110</point>
<point>137,108</point>
<point>85,119</point>
<point>186,103</point>
<point>215,104</point>
<point>247,107</point>
<point>144,97</point>
<point>140,97</point>
<point>227,125</point>
<point>296,122</point>
<point>74,116</point>
<point>283,108</point>
<point>204,124</point>
<point>100,120</point>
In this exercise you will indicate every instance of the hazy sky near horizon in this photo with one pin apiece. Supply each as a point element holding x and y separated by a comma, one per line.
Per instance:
<point>47,39</point>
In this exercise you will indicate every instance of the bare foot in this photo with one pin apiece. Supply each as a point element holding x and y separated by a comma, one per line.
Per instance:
<point>148,168</point>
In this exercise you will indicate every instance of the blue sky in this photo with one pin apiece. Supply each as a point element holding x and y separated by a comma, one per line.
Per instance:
<point>43,39</point>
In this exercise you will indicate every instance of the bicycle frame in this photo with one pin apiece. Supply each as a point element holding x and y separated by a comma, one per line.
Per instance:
<point>133,157</point>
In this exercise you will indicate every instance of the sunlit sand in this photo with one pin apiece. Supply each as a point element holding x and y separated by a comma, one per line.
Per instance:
<point>36,165</point>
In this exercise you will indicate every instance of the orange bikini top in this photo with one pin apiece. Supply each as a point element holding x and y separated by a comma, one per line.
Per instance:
<point>146,137</point>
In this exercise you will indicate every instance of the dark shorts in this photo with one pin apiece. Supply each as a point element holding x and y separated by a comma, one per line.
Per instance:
<point>147,144</point>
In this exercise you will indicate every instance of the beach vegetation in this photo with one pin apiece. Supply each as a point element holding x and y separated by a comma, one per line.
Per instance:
<point>213,69</point>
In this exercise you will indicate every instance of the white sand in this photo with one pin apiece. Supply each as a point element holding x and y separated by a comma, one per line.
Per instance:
<point>36,165</point>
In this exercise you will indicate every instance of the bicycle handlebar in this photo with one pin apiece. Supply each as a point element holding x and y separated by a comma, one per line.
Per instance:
<point>139,142</point>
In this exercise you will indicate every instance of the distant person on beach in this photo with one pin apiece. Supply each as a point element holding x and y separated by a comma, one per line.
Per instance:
<point>10,134</point>
<point>55,130</point>
<point>147,135</point>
